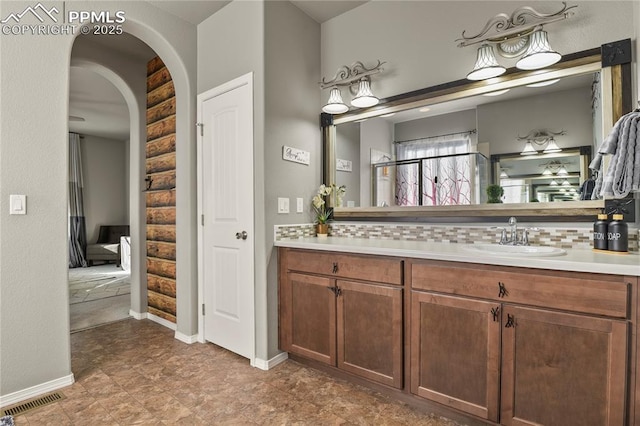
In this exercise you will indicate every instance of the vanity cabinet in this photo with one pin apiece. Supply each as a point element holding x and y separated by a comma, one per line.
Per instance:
<point>343,310</point>
<point>520,347</point>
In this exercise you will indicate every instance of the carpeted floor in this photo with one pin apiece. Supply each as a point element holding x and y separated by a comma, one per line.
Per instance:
<point>98,295</point>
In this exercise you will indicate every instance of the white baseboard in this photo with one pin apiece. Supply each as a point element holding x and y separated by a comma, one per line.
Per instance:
<point>37,390</point>
<point>186,339</point>
<point>270,363</point>
<point>161,321</point>
<point>137,315</point>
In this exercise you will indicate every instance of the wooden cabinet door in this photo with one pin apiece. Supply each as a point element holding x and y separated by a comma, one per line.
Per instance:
<point>562,369</point>
<point>370,331</point>
<point>455,352</point>
<point>308,317</point>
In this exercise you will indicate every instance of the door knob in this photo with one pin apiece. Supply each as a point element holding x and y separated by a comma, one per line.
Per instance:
<point>241,235</point>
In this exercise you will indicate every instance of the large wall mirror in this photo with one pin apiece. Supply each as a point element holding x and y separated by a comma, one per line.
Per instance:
<point>434,152</point>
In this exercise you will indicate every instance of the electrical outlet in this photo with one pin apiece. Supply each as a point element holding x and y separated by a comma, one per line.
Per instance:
<point>299,205</point>
<point>283,205</point>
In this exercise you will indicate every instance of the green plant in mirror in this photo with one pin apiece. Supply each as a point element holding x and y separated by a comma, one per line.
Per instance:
<point>494,194</point>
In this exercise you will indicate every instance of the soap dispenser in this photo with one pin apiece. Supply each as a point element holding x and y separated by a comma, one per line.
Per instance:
<point>618,234</point>
<point>600,230</point>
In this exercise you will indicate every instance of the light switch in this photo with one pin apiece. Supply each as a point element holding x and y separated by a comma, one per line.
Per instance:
<point>17,204</point>
<point>283,205</point>
<point>299,205</point>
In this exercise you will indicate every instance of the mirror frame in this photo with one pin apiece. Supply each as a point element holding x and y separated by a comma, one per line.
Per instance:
<point>615,88</point>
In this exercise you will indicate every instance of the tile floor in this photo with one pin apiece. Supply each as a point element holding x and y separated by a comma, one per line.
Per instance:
<point>135,372</point>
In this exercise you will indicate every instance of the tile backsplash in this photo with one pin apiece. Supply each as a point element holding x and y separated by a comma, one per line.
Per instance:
<point>563,237</point>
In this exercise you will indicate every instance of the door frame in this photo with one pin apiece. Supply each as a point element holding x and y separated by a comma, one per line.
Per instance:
<point>244,80</point>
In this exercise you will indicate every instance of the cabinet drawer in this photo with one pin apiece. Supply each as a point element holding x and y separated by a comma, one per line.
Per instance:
<point>367,268</point>
<point>597,294</point>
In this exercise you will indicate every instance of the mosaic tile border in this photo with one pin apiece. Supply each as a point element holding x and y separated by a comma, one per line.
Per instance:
<point>579,238</point>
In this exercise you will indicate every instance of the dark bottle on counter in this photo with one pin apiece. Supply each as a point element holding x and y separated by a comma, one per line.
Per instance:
<point>600,229</point>
<point>618,234</point>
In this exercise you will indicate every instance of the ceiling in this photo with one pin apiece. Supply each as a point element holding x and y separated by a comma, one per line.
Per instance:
<point>101,105</point>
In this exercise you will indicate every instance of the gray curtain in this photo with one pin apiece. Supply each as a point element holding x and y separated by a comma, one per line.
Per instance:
<point>77,227</point>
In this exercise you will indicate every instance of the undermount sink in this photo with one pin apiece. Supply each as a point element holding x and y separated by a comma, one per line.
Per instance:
<point>508,250</point>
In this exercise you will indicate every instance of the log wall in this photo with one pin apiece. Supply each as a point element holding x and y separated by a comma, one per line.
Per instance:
<point>161,192</point>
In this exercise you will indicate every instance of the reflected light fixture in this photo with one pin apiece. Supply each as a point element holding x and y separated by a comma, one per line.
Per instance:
<point>544,83</point>
<point>540,138</point>
<point>357,78</point>
<point>520,35</point>
<point>496,93</point>
<point>553,183</point>
<point>554,167</point>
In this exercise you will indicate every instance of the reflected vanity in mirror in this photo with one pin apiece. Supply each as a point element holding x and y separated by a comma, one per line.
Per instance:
<point>426,153</point>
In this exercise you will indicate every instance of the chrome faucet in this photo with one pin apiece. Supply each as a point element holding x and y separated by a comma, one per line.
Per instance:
<point>513,237</point>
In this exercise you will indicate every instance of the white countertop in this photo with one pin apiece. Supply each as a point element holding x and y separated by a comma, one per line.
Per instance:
<point>575,260</point>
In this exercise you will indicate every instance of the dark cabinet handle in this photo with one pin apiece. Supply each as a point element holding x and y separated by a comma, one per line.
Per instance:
<point>511,321</point>
<point>335,267</point>
<point>335,290</point>
<point>502,290</point>
<point>495,312</point>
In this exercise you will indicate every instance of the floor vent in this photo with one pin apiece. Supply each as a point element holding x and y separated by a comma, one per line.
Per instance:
<point>23,407</point>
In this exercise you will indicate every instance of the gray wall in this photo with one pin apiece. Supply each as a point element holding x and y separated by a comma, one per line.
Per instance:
<point>462,121</point>
<point>34,312</point>
<point>280,45</point>
<point>292,64</point>
<point>348,148</point>
<point>500,123</point>
<point>105,182</point>
<point>417,38</point>
<point>375,134</point>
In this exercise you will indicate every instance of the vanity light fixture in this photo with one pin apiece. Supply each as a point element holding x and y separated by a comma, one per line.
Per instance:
<point>335,105</point>
<point>541,138</point>
<point>358,78</point>
<point>519,35</point>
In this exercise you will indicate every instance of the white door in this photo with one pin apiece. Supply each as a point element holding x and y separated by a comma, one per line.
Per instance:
<point>226,232</point>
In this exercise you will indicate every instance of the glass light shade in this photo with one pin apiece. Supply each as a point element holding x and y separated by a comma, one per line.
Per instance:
<point>562,171</point>
<point>486,65</point>
<point>539,54</point>
<point>528,149</point>
<point>552,147</point>
<point>547,171</point>
<point>553,183</point>
<point>335,105</point>
<point>364,98</point>
<point>566,183</point>
<point>503,174</point>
